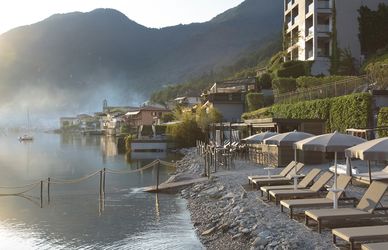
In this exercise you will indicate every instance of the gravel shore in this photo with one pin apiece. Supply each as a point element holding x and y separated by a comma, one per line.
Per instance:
<point>228,214</point>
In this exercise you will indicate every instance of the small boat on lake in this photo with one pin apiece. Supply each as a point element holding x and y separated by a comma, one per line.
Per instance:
<point>26,138</point>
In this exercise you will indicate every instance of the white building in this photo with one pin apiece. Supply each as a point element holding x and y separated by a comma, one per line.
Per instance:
<point>309,28</point>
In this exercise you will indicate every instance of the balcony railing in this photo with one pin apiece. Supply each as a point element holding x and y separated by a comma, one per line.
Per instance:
<point>310,31</point>
<point>310,9</point>
<point>323,28</point>
<point>295,19</point>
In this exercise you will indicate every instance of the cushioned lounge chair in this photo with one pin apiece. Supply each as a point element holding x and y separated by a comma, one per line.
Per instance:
<point>342,182</point>
<point>364,210</point>
<point>376,176</point>
<point>304,183</point>
<point>375,246</point>
<point>313,191</point>
<point>277,181</point>
<point>361,234</point>
<point>282,174</point>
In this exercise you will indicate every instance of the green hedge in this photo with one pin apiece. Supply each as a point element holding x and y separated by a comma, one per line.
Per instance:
<point>254,101</point>
<point>294,69</point>
<point>284,85</point>
<point>351,111</point>
<point>265,81</point>
<point>312,81</point>
<point>382,121</point>
<point>340,113</point>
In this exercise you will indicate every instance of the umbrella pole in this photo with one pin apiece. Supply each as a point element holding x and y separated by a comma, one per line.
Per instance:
<point>335,170</point>
<point>295,159</point>
<point>370,173</point>
<point>335,205</point>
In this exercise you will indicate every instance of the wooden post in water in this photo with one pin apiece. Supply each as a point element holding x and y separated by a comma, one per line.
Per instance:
<point>100,184</point>
<point>103,182</point>
<point>48,190</point>
<point>157,176</point>
<point>41,194</point>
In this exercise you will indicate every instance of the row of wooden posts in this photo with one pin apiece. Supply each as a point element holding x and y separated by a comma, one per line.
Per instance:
<point>214,157</point>
<point>102,184</point>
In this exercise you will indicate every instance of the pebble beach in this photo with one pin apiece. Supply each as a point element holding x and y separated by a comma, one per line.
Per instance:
<point>229,214</point>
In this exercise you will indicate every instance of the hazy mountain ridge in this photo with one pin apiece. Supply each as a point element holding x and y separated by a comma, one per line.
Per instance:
<point>80,58</point>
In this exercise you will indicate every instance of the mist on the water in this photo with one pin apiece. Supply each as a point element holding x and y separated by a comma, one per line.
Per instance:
<point>44,104</point>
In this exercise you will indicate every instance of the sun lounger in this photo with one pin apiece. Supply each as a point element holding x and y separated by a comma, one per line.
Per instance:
<point>282,174</point>
<point>342,182</point>
<point>364,210</point>
<point>376,176</point>
<point>361,234</point>
<point>277,181</point>
<point>304,183</point>
<point>375,246</point>
<point>301,193</point>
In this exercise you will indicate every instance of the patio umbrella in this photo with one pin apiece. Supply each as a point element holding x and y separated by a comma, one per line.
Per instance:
<point>371,150</point>
<point>287,139</point>
<point>332,142</point>
<point>257,138</point>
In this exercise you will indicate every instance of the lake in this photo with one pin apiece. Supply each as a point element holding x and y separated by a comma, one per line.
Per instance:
<point>75,217</point>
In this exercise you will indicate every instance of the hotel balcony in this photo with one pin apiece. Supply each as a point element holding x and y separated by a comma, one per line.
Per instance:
<point>309,33</point>
<point>289,4</point>
<point>310,10</point>
<point>323,28</point>
<point>324,7</point>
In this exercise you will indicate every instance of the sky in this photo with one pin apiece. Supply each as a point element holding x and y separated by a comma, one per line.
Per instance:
<point>150,13</point>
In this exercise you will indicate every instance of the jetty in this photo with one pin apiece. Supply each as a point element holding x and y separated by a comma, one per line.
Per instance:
<point>174,187</point>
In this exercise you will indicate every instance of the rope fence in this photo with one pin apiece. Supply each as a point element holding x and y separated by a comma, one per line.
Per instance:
<point>101,172</point>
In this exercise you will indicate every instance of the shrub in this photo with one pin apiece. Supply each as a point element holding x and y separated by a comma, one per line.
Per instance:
<point>167,117</point>
<point>260,113</point>
<point>186,133</point>
<point>204,117</point>
<point>265,81</point>
<point>382,121</point>
<point>294,69</point>
<point>283,85</point>
<point>378,72</point>
<point>254,101</point>
<point>351,111</point>
<point>310,81</point>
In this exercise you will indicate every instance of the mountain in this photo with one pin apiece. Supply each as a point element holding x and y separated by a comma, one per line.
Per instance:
<point>69,63</point>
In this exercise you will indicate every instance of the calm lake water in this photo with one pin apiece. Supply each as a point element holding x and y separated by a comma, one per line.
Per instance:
<point>75,218</point>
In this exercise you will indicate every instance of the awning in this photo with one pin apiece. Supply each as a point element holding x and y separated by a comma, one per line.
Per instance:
<point>132,113</point>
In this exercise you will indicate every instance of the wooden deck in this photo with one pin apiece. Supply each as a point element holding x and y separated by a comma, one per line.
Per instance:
<point>173,187</point>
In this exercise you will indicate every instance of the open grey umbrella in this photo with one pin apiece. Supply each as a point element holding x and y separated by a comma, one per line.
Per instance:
<point>332,142</point>
<point>287,139</point>
<point>258,138</point>
<point>376,150</point>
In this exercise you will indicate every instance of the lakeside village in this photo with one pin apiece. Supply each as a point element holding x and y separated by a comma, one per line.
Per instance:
<point>307,134</point>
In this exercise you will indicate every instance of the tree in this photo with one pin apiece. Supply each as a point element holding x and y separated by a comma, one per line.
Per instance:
<point>207,116</point>
<point>185,133</point>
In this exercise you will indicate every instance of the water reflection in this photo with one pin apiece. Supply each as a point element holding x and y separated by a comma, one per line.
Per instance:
<point>76,215</point>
